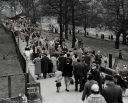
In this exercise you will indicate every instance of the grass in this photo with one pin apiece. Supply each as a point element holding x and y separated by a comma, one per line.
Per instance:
<point>9,65</point>
<point>105,46</point>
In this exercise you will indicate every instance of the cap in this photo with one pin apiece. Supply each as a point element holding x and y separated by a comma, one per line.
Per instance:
<point>95,88</point>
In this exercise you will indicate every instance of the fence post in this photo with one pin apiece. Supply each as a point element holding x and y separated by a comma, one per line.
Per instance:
<point>26,81</point>
<point>40,92</point>
<point>9,86</point>
<point>110,60</point>
<point>115,63</point>
<point>39,89</point>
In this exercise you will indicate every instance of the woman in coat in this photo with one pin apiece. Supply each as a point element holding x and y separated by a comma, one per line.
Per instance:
<point>44,65</point>
<point>54,62</point>
<point>37,62</point>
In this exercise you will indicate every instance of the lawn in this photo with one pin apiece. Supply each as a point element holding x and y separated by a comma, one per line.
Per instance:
<point>105,46</point>
<point>8,58</point>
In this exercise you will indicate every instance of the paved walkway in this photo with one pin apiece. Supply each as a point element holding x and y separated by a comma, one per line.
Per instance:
<point>49,94</point>
<point>29,64</point>
<point>48,88</point>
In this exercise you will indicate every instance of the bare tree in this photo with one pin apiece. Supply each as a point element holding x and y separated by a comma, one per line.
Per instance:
<point>84,7</point>
<point>116,16</point>
<point>61,19</point>
<point>73,24</point>
<point>30,8</point>
<point>66,19</point>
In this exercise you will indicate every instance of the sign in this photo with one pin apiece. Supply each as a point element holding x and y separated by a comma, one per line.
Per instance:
<point>33,91</point>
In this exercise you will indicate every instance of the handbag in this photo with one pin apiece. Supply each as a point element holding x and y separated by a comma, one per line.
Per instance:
<point>71,81</point>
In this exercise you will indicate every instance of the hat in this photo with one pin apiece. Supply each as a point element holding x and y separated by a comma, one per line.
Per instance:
<point>108,77</point>
<point>95,88</point>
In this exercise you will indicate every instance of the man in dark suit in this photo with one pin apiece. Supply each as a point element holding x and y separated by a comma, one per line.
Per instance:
<point>61,62</point>
<point>67,72</point>
<point>87,59</point>
<point>112,93</point>
<point>78,71</point>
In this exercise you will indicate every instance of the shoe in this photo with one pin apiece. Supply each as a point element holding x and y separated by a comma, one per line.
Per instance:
<point>80,90</point>
<point>76,89</point>
<point>57,91</point>
<point>44,77</point>
<point>50,76</point>
<point>67,90</point>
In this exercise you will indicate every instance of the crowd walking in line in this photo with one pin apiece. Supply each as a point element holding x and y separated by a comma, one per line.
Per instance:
<point>78,66</point>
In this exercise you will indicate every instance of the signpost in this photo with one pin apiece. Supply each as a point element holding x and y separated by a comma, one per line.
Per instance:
<point>33,92</point>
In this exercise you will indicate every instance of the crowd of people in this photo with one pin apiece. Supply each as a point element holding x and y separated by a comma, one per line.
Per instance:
<point>80,66</point>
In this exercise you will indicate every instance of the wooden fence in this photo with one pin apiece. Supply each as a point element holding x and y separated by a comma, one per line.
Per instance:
<point>13,85</point>
<point>32,90</point>
<point>33,95</point>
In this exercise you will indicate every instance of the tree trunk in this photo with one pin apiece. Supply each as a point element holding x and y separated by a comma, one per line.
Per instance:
<point>85,26</point>
<point>34,19</point>
<point>124,38</point>
<point>66,19</point>
<point>66,31</point>
<point>117,42</point>
<point>85,30</point>
<point>61,26</point>
<point>73,26</point>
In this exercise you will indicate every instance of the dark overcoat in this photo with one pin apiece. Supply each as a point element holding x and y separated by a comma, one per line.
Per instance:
<point>78,70</point>
<point>61,63</point>
<point>67,70</point>
<point>37,62</point>
<point>112,93</point>
<point>44,65</point>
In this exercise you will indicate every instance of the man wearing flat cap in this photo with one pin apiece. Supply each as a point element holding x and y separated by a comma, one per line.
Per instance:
<point>112,93</point>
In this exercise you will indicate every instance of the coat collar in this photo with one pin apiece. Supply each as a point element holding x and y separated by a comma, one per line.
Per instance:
<point>110,83</point>
<point>95,95</point>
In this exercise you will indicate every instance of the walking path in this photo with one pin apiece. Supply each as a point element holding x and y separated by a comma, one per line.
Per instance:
<point>29,64</point>
<point>48,88</point>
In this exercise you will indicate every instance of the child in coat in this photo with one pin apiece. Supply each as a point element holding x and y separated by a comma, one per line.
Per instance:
<point>59,77</point>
